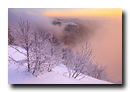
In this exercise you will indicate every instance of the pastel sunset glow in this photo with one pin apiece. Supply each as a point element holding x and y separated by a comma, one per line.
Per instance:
<point>84,12</point>
<point>69,12</point>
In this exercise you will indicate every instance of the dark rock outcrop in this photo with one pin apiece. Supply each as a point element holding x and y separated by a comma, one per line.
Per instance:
<point>56,23</point>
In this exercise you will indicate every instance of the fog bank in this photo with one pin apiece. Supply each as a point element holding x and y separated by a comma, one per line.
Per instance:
<point>107,46</point>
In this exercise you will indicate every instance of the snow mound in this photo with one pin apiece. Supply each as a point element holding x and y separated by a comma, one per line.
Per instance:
<point>70,23</point>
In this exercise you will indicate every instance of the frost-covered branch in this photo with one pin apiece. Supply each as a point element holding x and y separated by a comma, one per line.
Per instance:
<point>23,38</point>
<point>81,62</point>
<point>44,54</point>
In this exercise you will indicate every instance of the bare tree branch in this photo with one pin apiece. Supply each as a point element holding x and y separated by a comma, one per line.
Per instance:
<point>18,50</point>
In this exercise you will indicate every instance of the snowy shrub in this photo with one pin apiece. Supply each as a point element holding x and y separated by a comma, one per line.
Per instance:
<point>36,52</point>
<point>78,62</point>
<point>98,71</point>
<point>44,54</point>
<point>81,62</point>
<point>68,56</point>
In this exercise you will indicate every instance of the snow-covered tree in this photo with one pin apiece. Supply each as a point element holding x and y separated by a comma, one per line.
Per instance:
<point>69,59</point>
<point>81,62</point>
<point>44,53</point>
<point>76,61</point>
<point>23,38</point>
<point>98,71</point>
<point>36,52</point>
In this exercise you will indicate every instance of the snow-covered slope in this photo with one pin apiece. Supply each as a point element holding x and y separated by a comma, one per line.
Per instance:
<point>19,75</point>
<point>23,77</point>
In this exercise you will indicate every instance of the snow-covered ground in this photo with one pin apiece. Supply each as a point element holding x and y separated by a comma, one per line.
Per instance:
<point>70,23</point>
<point>19,75</point>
